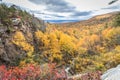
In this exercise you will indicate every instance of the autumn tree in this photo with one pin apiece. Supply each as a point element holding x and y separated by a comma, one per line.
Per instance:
<point>116,22</point>
<point>112,37</point>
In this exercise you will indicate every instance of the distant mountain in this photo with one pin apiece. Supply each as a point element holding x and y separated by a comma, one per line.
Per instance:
<point>99,19</point>
<point>61,21</point>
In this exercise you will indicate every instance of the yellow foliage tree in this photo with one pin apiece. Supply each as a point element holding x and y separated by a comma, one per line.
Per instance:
<point>42,38</point>
<point>112,37</point>
<point>54,48</point>
<point>19,40</point>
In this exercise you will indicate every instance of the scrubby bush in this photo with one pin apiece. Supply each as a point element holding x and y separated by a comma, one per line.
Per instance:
<point>117,20</point>
<point>32,72</point>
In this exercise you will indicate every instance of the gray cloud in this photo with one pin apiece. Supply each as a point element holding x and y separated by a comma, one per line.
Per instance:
<point>112,7</point>
<point>36,11</point>
<point>49,2</point>
<point>55,15</point>
<point>55,5</point>
<point>52,15</point>
<point>85,13</point>
<point>60,8</point>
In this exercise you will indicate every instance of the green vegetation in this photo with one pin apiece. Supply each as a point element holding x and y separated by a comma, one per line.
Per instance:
<point>6,13</point>
<point>117,20</point>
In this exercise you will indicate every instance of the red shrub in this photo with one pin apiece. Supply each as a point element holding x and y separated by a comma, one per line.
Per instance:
<point>31,72</point>
<point>92,76</point>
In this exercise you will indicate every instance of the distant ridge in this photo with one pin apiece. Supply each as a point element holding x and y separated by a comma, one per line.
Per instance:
<point>62,21</point>
<point>99,19</point>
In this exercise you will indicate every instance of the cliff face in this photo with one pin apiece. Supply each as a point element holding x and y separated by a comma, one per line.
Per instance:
<point>17,34</point>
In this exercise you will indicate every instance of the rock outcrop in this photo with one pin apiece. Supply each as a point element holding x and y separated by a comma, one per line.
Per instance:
<point>10,49</point>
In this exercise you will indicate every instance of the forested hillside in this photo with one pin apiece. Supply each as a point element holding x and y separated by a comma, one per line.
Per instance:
<point>27,43</point>
<point>96,41</point>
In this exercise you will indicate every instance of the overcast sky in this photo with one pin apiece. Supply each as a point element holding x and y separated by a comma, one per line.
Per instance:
<point>66,9</point>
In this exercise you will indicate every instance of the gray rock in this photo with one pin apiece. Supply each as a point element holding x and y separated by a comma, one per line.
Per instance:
<point>112,74</point>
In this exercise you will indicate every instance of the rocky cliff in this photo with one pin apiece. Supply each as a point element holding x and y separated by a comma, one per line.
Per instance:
<point>17,30</point>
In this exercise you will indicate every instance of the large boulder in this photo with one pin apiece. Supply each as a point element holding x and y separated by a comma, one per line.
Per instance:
<point>112,74</point>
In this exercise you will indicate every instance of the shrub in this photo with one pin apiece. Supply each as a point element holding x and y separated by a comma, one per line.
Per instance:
<point>117,20</point>
<point>31,72</point>
<point>92,76</point>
